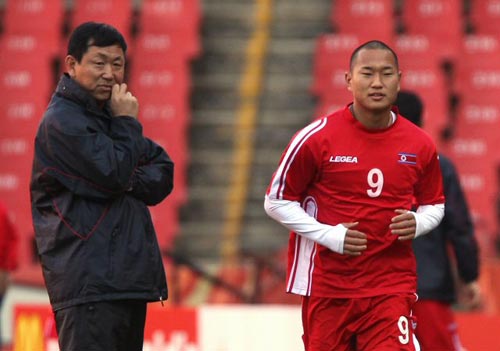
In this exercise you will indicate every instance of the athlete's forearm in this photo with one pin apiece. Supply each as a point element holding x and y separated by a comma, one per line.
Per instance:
<point>428,217</point>
<point>293,217</point>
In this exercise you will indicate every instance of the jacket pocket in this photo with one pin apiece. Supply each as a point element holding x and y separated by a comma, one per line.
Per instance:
<point>111,254</point>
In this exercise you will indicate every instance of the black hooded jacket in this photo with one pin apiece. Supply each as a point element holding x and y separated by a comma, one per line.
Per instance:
<point>455,233</point>
<point>93,177</point>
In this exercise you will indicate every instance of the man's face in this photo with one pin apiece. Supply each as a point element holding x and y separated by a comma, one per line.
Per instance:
<point>374,79</point>
<point>99,69</point>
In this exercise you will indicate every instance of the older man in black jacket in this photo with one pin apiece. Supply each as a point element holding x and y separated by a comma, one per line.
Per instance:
<point>436,328</point>
<point>94,174</point>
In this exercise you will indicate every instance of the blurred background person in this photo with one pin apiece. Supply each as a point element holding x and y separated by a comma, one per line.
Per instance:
<point>449,250</point>
<point>8,252</point>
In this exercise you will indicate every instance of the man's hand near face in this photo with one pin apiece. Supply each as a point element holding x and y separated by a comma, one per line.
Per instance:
<point>122,102</point>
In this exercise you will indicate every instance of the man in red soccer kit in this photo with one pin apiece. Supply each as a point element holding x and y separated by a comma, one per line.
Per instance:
<point>344,187</point>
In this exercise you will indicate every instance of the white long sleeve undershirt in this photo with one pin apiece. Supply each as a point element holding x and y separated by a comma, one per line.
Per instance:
<point>293,217</point>
<point>428,217</point>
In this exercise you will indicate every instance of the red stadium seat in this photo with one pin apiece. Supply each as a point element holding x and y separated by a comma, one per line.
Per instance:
<point>118,13</point>
<point>485,16</point>
<point>473,152</point>
<point>475,139</point>
<point>168,77</point>
<point>163,88</point>
<point>21,109</point>
<point>478,117</point>
<point>163,108</point>
<point>368,19</point>
<point>160,77</point>
<point>20,115</point>
<point>476,160</point>
<point>181,18</point>
<point>482,48</point>
<point>428,82</point>
<point>16,153</point>
<point>160,47</point>
<point>25,83</point>
<point>332,83</point>
<point>478,67</point>
<point>332,53</point>
<point>39,18</point>
<point>163,96</point>
<point>484,134</point>
<point>480,79</point>
<point>415,50</point>
<point>421,73</point>
<point>33,16</point>
<point>163,15</point>
<point>30,52</point>
<point>480,108</point>
<point>165,118</point>
<point>440,20</point>
<point>14,47</point>
<point>29,78</point>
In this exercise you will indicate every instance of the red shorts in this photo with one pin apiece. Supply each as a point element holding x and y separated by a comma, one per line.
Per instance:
<point>380,323</point>
<point>436,327</point>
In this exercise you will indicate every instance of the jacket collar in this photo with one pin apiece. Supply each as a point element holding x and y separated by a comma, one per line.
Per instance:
<point>71,90</point>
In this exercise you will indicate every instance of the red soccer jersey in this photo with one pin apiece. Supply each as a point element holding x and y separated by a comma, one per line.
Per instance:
<point>342,172</point>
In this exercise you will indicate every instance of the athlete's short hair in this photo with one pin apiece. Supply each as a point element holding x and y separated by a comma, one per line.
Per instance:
<point>96,34</point>
<point>372,45</point>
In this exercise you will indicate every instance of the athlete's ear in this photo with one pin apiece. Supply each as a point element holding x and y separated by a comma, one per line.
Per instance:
<point>348,78</point>
<point>70,62</point>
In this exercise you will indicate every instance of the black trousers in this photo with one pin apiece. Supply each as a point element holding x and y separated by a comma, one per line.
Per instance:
<point>102,326</point>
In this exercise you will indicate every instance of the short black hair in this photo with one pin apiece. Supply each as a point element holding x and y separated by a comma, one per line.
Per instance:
<point>410,106</point>
<point>93,33</point>
<point>372,44</point>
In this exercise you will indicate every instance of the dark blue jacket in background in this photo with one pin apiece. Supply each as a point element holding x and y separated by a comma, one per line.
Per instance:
<point>455,233</point>
<point>93,177</point>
